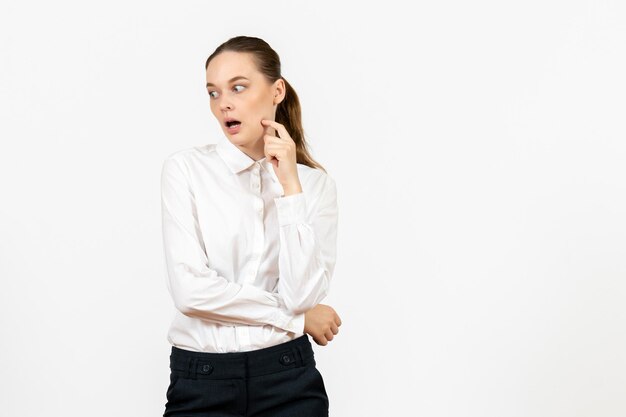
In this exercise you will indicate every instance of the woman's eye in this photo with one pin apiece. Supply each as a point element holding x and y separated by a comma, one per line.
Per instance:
<point>211,92</point>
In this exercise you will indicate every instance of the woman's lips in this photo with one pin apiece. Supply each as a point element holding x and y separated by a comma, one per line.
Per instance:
<point>234,128</point>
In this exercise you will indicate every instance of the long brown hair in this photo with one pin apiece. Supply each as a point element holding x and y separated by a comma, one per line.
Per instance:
<point>288,112</point>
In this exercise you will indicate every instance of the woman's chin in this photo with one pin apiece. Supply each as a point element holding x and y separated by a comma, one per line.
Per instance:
<point>239,139</point>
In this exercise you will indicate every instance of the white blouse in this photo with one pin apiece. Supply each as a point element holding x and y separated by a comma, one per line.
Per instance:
<point>243,262</point>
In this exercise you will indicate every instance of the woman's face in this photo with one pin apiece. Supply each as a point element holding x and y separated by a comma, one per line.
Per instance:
<point>249,99</point>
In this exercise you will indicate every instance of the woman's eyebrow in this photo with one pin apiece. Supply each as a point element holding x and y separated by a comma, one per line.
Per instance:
<point>230,81</point>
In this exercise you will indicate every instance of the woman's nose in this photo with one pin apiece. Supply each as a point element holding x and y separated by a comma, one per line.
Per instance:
<point>226,106</point>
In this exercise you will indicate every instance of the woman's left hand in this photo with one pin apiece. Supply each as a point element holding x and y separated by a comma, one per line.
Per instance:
<point>281,152</point>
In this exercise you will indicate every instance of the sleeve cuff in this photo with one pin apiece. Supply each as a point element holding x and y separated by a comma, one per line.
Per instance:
<point>291,323</point>
<point>291,209</point>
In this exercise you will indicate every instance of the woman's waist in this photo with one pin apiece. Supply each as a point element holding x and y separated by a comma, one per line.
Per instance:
<point>203,335</point>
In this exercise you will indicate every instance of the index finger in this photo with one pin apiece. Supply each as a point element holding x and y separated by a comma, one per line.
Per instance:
<point>279,127</point>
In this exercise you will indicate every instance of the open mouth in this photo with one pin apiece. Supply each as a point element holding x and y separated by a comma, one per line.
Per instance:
<point>232,123</point>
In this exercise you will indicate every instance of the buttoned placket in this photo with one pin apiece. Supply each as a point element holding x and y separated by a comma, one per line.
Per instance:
<point>255,186</point>
<point>259,240</point>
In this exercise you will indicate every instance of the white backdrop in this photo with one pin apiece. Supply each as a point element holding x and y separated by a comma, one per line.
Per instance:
<point>479,152</point>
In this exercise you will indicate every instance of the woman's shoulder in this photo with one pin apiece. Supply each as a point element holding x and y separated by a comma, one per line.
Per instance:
<point>192,152</point>
<point>315,177</point>
<point>185,161</point>
<point>192,156</point>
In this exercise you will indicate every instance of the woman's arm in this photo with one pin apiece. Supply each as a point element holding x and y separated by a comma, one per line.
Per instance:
<point>198,290</point>
<point>307,254</point>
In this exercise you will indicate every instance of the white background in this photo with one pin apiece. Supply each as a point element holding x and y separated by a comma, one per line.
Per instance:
<point>479,152</point>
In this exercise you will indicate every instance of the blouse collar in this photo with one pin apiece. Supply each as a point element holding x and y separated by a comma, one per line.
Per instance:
<point>237,160</point>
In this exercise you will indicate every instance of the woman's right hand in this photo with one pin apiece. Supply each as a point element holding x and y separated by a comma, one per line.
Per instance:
<point>322,323</point>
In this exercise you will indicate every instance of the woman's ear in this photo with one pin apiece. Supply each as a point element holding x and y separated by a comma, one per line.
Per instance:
<point>279,90</point>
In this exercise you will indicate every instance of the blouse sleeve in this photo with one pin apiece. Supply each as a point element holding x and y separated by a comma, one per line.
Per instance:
<point>308,245</point>
<point>196,289</point>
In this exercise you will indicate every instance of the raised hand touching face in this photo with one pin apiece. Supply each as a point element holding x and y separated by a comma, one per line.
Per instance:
<point>281,152</point>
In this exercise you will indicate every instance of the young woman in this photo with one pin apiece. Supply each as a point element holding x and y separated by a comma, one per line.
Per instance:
<point>249,234</point>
